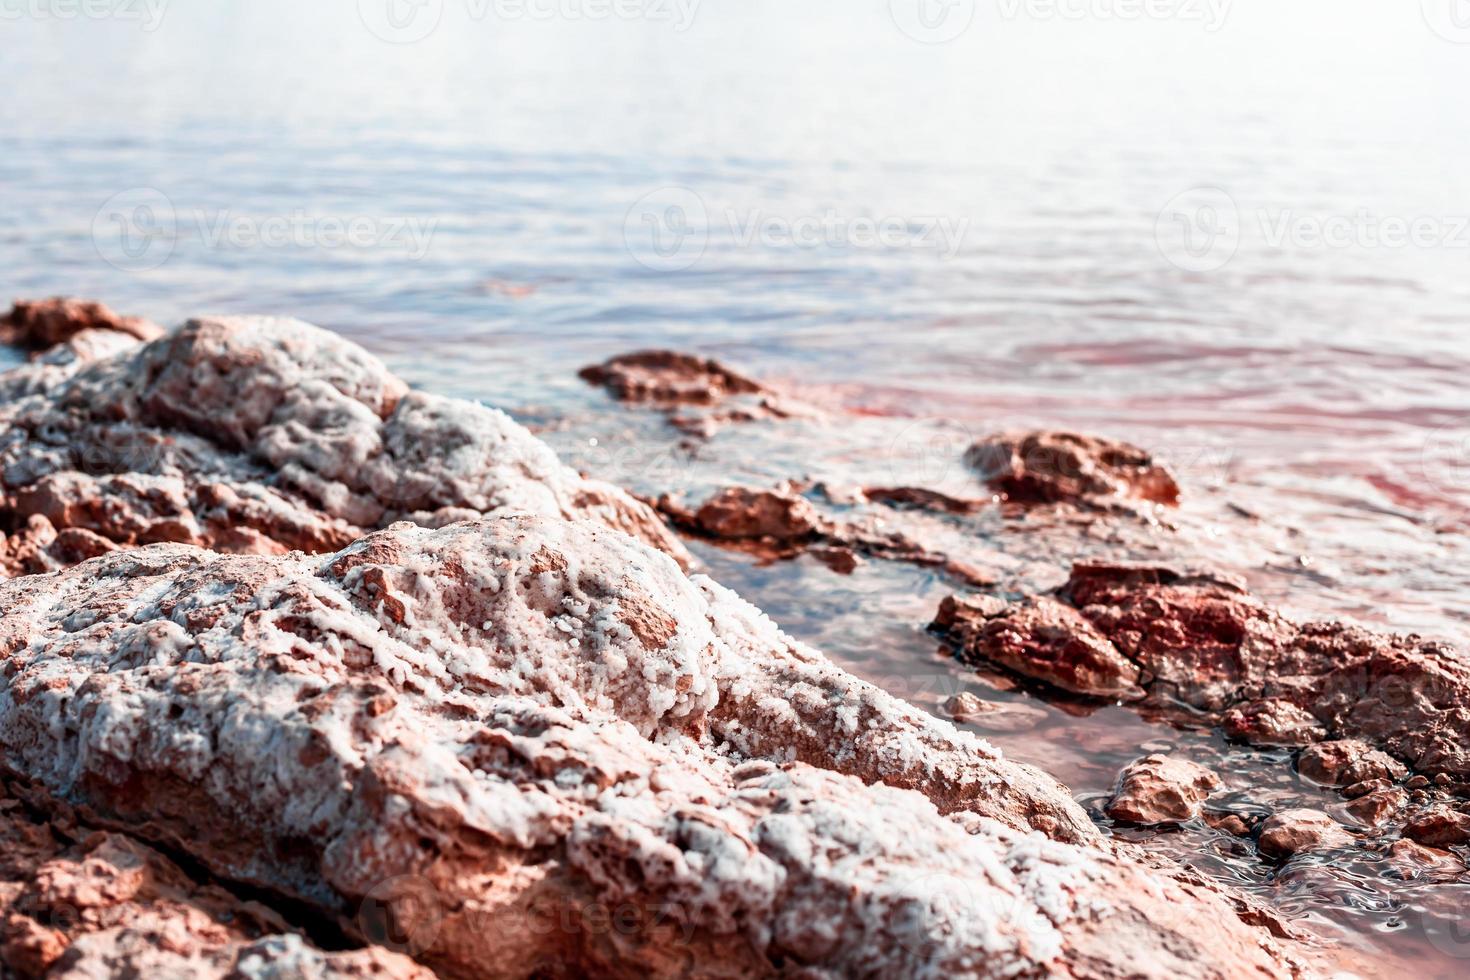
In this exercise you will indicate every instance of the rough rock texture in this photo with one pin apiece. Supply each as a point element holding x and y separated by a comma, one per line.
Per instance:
<point>1347,761</point>
<point>1439,826</point>
<point>675,383</point>
<point>1062,467</point>
<point>524,746</point>
<point>81,903</point>
<point>45,323</point>
<point>781,523</point>
<point>261,435</point>
<point>1159,789</point>
<point>1293,831</point>
<point>1199,640</point>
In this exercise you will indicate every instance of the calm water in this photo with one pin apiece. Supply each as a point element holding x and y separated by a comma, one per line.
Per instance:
<point>1238,234</point>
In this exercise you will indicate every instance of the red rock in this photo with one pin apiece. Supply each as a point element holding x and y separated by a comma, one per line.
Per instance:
<point>1376,808</point>
<point>739,513</point>
<point>1200,640</point>
<point>1230,823</point>
<point>1347,761</point>
<point>1293,831</point>
<point>1043,639</point>
<point>44,323</point>
<point>1057,467</point>
<point>1439,826</point>
<point>1410,860</point>
<point>1272,722</point>
<point>1159,789</point>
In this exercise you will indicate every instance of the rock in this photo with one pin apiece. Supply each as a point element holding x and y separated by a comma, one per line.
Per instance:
<point>737,513</point>
<point>923,499</point>
<point>1160,789</point>
<point>1199,640</point>
<point>1272,722</point>
<point>478,742</point>
<point>1439,826</point>
<point>1375,809</point>
<point>1365,787</point>
<point>1293,831</point>
<point>1041,638</point>
<point>668,380</point>
<point>45,323</point>
<point>1230,823</point>
<point>1058,467</point>
<point>1347,761</point>
<point>1410,860</point>
<point>81,903</point>
<point>995,716</point>
<point>259,435</point>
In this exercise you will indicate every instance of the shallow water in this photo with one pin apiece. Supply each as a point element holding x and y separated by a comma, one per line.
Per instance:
<point>529,195</point>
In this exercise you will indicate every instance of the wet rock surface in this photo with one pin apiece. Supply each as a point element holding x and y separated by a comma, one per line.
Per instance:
<point>1057,467</point>
<point>1200,640</point>
<point>1158,789</point>
<point>1294,831</point>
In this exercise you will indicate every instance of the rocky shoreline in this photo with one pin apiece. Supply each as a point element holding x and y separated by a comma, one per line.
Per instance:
<point>310,674</point>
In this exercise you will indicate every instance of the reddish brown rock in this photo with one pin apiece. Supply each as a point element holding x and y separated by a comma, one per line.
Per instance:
<point>75,902</point>
<point>260,436</point>
<point>475,743</point>
<point>1439,826</point>
<point>779,517</point>
<point>1347,761</point>
<point>45,323</point>
<point>1293,831</point>
<point>1410,860</point>
<point>1062,467</point>
<point>1199,640</point>
<point>1159,789</point>
<point>671,381</point>
<point>1041,638</point>
<point>1375,809</point>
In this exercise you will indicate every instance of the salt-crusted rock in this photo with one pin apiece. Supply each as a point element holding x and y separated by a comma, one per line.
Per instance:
<point>1160,789</point>
<point>80,904</point>
<point>260,435</point>
<point>524,746</point>
<point>1057,467</point>
<point>1200,640</point>
<point>1293,831</point>
<point>42,323</point>
<point>1347,761</point>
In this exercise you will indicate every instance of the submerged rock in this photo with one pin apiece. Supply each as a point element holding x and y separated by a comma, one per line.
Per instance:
<point>1063,467</point>
<point>1159,789</point>
<point>995,716</point>
<point>465,742</point>
<point>259,435</point>
<point>1293,831</point>
<point>1200,640</point>
<point>1439,826</point>
<point>1347,761</point>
